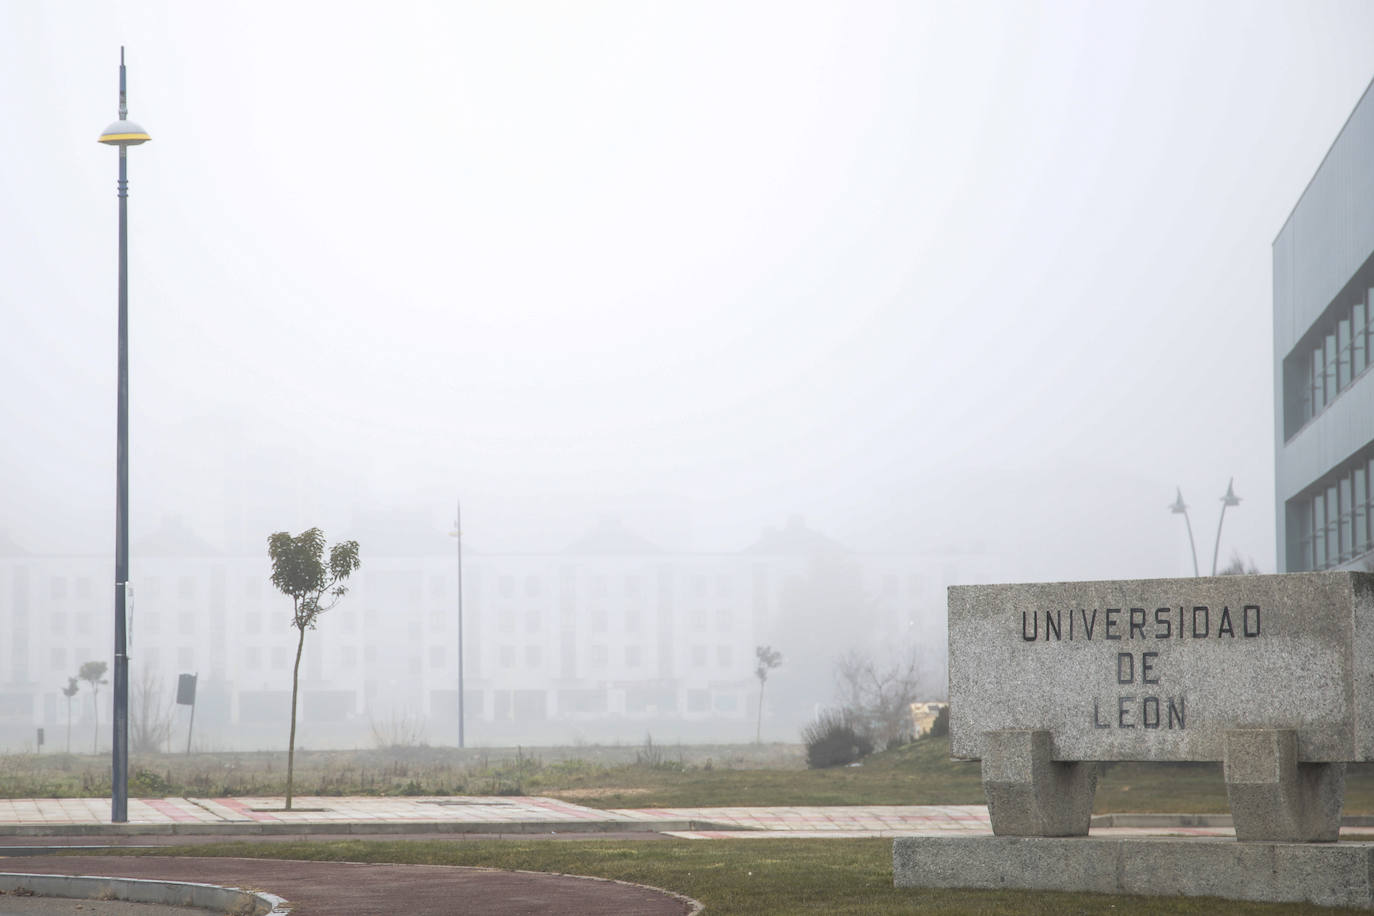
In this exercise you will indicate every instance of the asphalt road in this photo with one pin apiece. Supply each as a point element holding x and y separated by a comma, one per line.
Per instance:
<point>353,889</point>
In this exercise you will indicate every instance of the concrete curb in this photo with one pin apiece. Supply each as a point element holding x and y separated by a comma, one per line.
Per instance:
<point>695,907</point>
<point>1325,874</point>
<point>361,828</point>
<point>1164,821</point>
<point>140,890</point>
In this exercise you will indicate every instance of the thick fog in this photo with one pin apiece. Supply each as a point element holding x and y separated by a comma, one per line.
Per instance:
<point>985,278</point>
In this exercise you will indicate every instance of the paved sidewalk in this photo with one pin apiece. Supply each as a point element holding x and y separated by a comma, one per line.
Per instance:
<point>90,816</point>
<point>249,810</point>
<point>531,814</point>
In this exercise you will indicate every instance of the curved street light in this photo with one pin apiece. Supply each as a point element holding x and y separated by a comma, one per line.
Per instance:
<point>123,134</point>
<point>1179,507</point>
<point>1230,499</point>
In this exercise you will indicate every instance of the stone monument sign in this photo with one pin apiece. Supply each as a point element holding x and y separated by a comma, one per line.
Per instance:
<point>1272,675</point>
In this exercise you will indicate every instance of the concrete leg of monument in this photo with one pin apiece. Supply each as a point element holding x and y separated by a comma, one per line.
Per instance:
<point>1031,794</point>
<point>1274,797</point>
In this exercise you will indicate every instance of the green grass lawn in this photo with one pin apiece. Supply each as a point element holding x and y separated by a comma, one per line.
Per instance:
<point>917,774</point>
<point>622,777</point>
<point>755,877</point>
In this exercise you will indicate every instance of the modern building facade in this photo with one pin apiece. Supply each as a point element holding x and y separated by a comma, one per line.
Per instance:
<point>1323,351</point>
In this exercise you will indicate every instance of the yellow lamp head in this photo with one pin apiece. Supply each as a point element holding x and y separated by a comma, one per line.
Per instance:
<point>124,133</point>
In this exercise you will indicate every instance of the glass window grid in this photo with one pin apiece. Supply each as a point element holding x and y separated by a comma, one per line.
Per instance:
<point>1347,520</point>
<point>1333,519</point>
<point>1359,349</point>
<point>1335,523</point>
<point>1330,365</point>
<point>1361,517</point>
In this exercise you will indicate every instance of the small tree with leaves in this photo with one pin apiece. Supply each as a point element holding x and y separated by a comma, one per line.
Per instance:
<point>768,659</point>
<point>314,585</point>
<point>73,685</point>
<point>93,673</point>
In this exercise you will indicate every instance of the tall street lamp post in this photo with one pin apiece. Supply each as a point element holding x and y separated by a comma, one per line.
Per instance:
<point>457,533</point>
<point>123,134</point>
<point>1181,508</point>
<point>1230,499</point>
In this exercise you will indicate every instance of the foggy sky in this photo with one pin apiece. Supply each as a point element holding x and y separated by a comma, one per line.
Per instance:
<point>924,273</point>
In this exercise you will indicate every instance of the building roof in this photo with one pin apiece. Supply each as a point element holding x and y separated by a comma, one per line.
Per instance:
<point>173,538</point>
<point>10,547</point>
<point>795,540</point>
<point>611,538</point>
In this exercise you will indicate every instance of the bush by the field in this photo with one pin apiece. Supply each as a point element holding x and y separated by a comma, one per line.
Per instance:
<point>833,740</point>
<point>940,727</point>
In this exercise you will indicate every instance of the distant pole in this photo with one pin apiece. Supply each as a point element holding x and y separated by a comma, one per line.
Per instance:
<point>1181,508</point>
<point>123,134</point>
<point>1230,499</point>
<point>186,696</point>
<point>192,726</point>
<point>462,698</point>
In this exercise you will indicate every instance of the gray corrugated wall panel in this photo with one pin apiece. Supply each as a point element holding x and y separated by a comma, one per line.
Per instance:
<point>1331,230</point>
<point>1341,430</point>
<point>1283,318</point>
<point>1328,236</point>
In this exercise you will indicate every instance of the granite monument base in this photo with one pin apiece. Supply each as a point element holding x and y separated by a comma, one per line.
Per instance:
<point>1031,794</point>
<point>1338,874</point>
<point>1274,796</point>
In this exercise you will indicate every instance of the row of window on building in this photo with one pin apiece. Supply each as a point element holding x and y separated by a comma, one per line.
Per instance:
<point>408,585</point>
<point>151,587</point>
<point>1335,353</point>
<point>598,620</point>
<point>530,656</point>
<point>279,658</point>
<point>61,659</point>
<point>534,704</point>
<point>1332,519</point>
<point>599,656</point>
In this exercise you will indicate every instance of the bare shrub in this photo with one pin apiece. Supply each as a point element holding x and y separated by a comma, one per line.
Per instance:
<point>400,729</point>
<point>1239,566</point>
<point>150,715</point>
<point>940,727</point>
<point>877,696</point>
<point>834,740</point>
<point>651,756</point>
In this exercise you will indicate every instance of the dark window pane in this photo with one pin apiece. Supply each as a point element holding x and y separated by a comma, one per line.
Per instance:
<point>1319,532</point>
<point>1357,339</point>
<point>1330,360</point>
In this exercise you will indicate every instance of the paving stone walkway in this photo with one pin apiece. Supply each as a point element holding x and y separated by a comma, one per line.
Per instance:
<point>532,814</point>
<point>30,817</point>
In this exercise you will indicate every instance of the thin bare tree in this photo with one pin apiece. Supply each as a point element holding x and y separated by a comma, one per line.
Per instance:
<point>768,658</point>
<point>150,717</point>
<point>73,685</point>
<point>93,673</point>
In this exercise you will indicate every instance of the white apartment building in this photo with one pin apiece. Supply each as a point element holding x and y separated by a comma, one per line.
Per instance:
<point>608,640</point>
